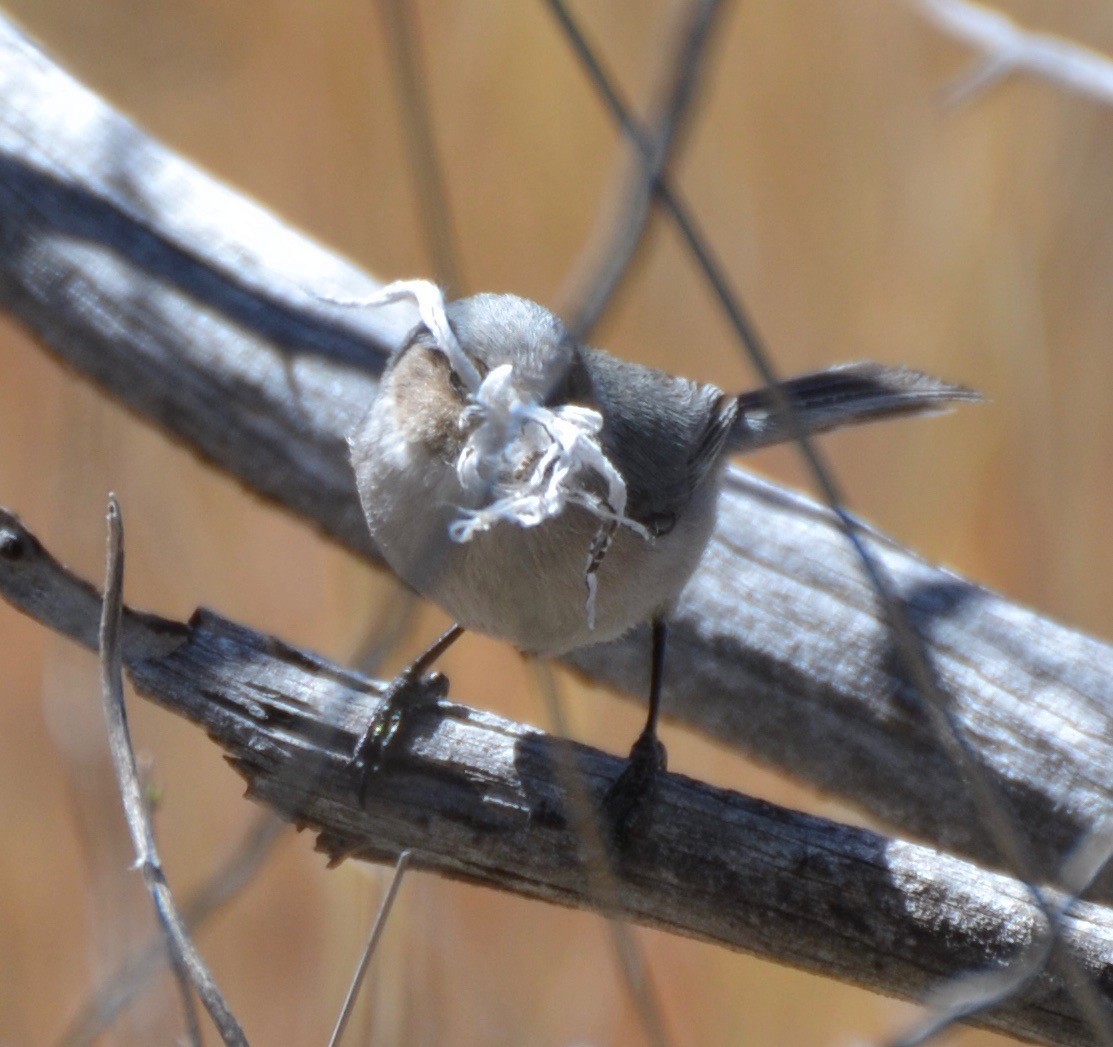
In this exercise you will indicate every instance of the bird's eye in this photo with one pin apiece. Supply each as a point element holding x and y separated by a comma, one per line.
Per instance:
<point>457,384</point>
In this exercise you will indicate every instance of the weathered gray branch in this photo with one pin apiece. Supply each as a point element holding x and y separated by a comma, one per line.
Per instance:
<point>196,309</point>
<point>191,971</point>
<point>231,876</point>
<point>480,798</point>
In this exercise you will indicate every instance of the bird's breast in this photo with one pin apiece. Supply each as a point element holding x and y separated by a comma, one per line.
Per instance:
<point>526,585</point>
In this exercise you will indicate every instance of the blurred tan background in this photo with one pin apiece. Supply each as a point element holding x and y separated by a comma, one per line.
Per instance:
<point>858,218</point>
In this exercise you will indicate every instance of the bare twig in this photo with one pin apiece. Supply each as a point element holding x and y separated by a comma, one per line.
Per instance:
<point>889,915</point>
<point>377,929</point>
<point>972,993</point>
<point>391,624</point>
<point>434,213</point>
<point>600,284</point>
<point>190,969</point>
<point>599,866</point>
<point>109,245</point>
<point>602,281</point>
<point>224,884</point>
<point>930,697</point>
<point>1008,49</point>
<point>969,995</point>
<point>127,771</point>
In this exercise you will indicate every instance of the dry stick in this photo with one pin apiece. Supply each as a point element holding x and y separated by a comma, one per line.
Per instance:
<point>435,218</point>
<point>601,284</point>
<point>438,227</point>
<point>971,994</point>
<point>479,798</point>
<point>928,692</point>
<point>968,995</point>
<point>600,289</point>
<point>111,249</point>
<point>598,864</point>
<point>188,965</point>
<point>136,812</point>
<point>223,885</point>
<point>127,773</point>
<point>1010,49</point>
<point>393,622</point>
<point>425,165</point>
<point>372,944</point>
<point>435,213</point>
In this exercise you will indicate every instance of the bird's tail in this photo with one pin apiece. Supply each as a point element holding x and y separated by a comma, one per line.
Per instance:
<point>849,394</point>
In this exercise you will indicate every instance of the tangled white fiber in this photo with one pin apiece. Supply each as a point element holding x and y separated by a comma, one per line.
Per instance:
<point>523,462</point>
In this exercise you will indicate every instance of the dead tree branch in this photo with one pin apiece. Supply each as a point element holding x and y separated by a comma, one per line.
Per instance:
<point>190,969</point>
<point>479,798</point>
<point>1007,49</point>
<point>196,309</point>
<point>236,872</point>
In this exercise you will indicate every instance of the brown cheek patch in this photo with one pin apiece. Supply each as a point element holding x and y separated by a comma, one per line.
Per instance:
<point>427,407</point>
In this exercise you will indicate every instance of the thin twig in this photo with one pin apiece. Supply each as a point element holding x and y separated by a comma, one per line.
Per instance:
<point>969,995</point>
<point>1008,48</point>
<point>927,690</point>
<point>972,994</point>
<point>598,865</point>
<point>602,281</point>
<point>601,286</point>
<point>393,622</point>
<point>377,929</point>
<point>434,212</point>
<point>705,862</point>
<point>222,886</point>
<point>123,759</point>
<point>758,622</point>
<point>188,965</point>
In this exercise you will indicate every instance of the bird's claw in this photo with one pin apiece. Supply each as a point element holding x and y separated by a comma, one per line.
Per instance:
<point>631,793</point>
<point>407,693</point>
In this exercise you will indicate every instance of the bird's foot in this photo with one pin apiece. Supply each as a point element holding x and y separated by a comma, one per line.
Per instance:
<point>631,794</point>
<point>407,693</point>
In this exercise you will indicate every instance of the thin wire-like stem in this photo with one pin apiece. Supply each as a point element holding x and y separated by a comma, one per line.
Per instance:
<point>910,647</point>
<point>372,944</point>
<point>603,282</point>
<point>963,998</point>
<point>1008,49</point>
<point>598,868</point>
<point>392,624</point>
<point>226,882</point>
<point>425,166</point>
<point>189,967</point>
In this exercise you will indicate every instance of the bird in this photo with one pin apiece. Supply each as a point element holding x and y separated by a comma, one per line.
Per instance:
<point>549,494</point>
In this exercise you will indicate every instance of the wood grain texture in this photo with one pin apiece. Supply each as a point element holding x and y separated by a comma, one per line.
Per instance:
<point>196,309</point>
<point>482,799</point>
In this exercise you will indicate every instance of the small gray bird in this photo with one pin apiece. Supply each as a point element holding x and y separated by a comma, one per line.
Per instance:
<point>548,494</point>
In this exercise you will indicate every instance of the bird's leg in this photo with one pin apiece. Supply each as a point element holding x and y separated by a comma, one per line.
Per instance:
<point>634,786</point>
<point>409,689</point>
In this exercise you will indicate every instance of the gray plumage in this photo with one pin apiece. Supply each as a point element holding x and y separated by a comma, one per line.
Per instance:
<point>667,436</point>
